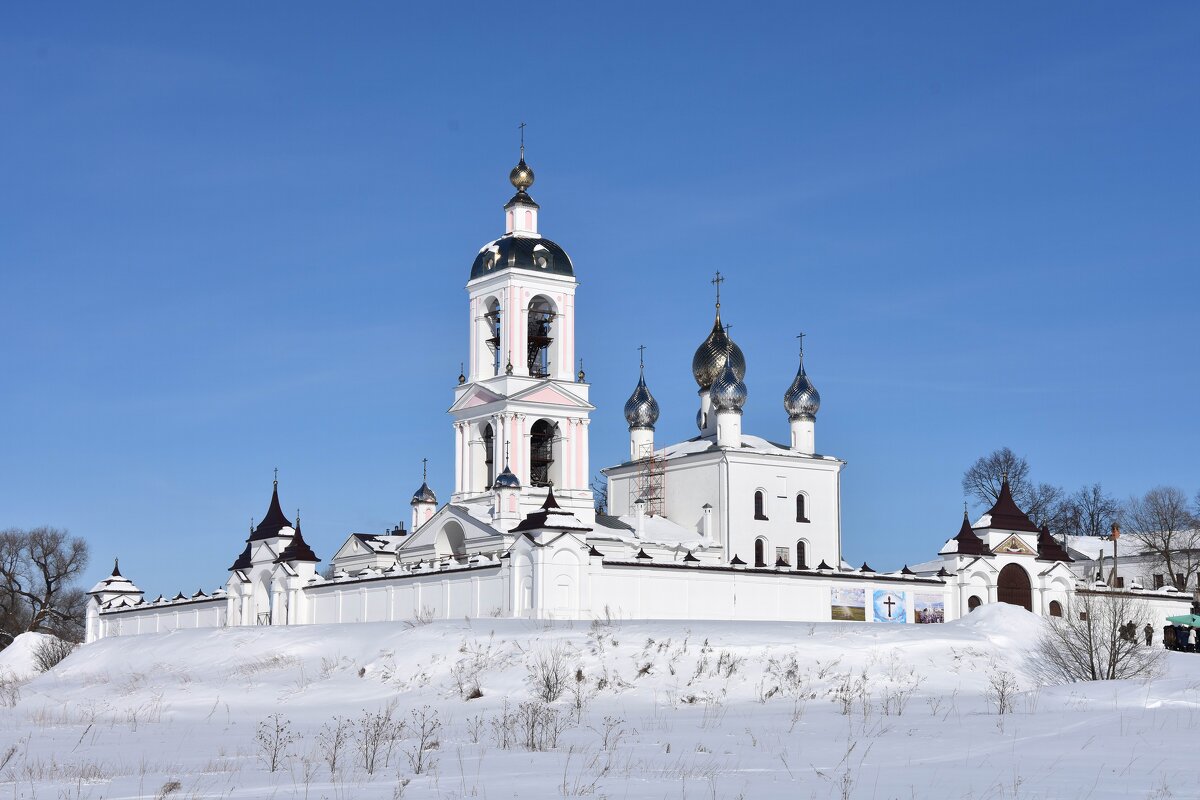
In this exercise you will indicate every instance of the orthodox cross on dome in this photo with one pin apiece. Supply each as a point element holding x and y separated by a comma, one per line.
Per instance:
<point>717,281</point>
<point>277,475</point>
<point>522,127</point>
<point>641,356</point>
<point>506,453</point>
<point>424,470</point>
<point>801,336</point>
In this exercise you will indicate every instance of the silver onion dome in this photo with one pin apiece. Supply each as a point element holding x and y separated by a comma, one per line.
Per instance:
<point>801,400</point>
<point>712,355</point>
<point>641,409</point>
<point>728,391</point>
<point>424,495</point>
<point>506,480</point>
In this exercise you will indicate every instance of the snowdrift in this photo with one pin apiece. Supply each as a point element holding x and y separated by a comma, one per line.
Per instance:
<point>644,709</point>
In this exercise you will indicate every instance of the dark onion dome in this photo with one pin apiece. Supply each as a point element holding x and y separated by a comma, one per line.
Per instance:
<point>506,480</point>
<point>297,549</point>
<point>424,495</point>
<point>713,353</point>
<point>969,543</point>
<point>801,400</point>
<point>533,253</point>
<point>274,521</point>
<point>728,392</point>
<point>641,409</point>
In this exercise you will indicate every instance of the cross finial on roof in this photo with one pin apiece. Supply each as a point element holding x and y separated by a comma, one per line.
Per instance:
<point>717,281</point>
<point>506,444</point>
<point>642,356</point>
<point>964,509</point>
<point>424,470</point>
<point>801,336</point>
<point>728,325</point>
<point>277,476</point>
<point>1004,474</point>
<point>522,127</point>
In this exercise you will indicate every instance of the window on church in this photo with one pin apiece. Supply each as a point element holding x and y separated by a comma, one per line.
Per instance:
<point>1055,608</point>
<point>973,602</point>
<point>492,320</point>
<point>800,515</point>
<point>489,450</point>
<point>781,557</point>
<point>801,556</point>
<point>541,319</point>
<point>541,452</point>
<point>760,552</point>
<point>1158,581</point>
<point>758,506</point>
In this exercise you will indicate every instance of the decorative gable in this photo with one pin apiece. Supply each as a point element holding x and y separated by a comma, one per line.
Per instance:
<point>549,394</point>
<point>1014,546</point>
<point>475,396</point>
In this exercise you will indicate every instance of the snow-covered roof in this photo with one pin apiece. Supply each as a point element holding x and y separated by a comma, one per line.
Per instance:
<point>750,443</point>
<point>1091,547</point>
<point>655,530</point>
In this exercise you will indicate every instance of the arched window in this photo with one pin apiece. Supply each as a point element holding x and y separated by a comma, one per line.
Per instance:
<point>758,506</point>
<point>1055,608</point>
<point>800,515</point>
<point>760,552</point>
<point>528,220</point>
<point>491,319</point>
<point>973,602</point>
<point>541,328</point>
<point>801,556</point>
<point>541,452</point>
<point>489,449</point>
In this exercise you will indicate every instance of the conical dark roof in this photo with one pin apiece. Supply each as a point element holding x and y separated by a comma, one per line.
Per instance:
<point>273,521</point>
<point>297,549</point>
<point>243,561</point>
<point>551,516</point>
<point>1049,548</point>
<point>969,544</point>
<point>1006,515</point>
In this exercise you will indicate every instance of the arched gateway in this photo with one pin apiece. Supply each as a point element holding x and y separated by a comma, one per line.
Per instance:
<point>1013,587</point>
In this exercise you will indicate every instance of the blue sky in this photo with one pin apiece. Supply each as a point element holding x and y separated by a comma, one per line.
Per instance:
<point>236,237</point>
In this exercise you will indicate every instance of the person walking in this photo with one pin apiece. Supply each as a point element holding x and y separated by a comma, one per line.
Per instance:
<point>1149,631</point>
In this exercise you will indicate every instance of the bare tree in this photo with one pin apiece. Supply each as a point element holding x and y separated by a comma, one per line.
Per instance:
<point>600,494</point>
<point>1087,644</point>
<point>1090,512</point>
<point>1161,522</point>
<point>1046,505</point>
<point>983,479</point>
<point>38,569</point>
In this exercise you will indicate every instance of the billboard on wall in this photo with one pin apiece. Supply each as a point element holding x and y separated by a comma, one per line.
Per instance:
<point>889,606</point>
<point>929,609</point>
<point>848,605</point>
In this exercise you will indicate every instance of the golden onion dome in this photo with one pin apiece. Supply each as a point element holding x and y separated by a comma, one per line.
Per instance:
<point>521,175</point>
<point>709,361</point>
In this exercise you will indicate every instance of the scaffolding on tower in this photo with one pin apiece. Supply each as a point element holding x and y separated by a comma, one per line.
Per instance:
<point>649,483</point>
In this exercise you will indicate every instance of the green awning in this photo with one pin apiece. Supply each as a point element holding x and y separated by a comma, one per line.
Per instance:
<point>1186,619</point>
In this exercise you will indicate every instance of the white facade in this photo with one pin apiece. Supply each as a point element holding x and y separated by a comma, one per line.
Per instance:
<point>727,525</point>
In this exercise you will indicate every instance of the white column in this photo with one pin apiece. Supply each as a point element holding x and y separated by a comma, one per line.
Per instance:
<point>804,435</point>
<point>729,429</point>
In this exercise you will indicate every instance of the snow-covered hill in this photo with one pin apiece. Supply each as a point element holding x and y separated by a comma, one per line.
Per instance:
<point>647,710</point>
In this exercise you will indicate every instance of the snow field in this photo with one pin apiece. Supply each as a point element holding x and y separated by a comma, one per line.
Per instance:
<point>643,710</point>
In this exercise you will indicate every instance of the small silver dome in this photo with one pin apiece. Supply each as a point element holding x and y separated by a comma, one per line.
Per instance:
<point>506,480</point>
<point>801,400</point>
<point>728,392</point>
<point>424,495</point>
<point>713,353</point>
<point>641,409</point>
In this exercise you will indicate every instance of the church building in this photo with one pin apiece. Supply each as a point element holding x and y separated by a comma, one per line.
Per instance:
<point>725,525</point>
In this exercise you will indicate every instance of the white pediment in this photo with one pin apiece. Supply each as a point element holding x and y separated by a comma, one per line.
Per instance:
<point>473,397</point>
<point>549,394</point>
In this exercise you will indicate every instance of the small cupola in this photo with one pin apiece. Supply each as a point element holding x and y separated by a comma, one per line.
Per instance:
<point>297,549</point>
<point>424,501</point>
<point>801,402</point>
<point>641,412</point>
<point>520,213</point>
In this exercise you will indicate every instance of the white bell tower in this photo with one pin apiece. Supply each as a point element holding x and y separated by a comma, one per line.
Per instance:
<point>519,394</point>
